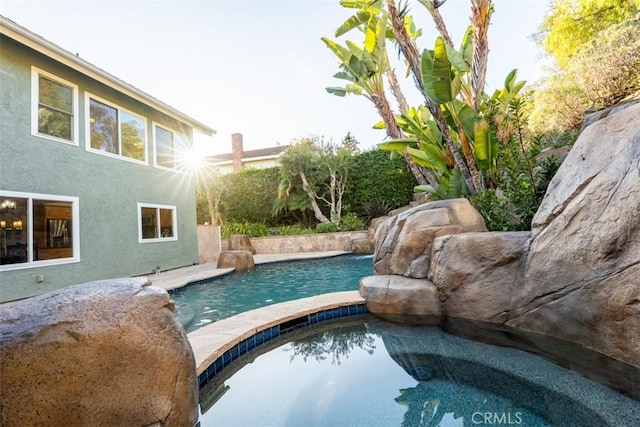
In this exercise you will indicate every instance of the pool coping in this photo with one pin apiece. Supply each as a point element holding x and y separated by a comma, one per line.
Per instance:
<point>180,277</point>
<point>216,345</point>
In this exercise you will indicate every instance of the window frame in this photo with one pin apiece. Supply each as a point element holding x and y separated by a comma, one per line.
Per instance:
<point>174,222</point>
<point>75,230</point>
<point>35,103</point>
<point>87,107</point>
<point>176,137</point>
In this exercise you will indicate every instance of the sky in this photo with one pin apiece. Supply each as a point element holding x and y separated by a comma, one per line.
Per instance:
<point>258,67</point>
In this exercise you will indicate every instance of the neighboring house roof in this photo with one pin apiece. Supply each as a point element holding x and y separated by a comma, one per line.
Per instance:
<point>51,50</point>
<point>271,152</point>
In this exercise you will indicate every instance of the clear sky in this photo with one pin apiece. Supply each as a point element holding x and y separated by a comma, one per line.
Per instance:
<point>257,67</point>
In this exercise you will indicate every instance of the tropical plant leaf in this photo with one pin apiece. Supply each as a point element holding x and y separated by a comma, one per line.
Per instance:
<point>458,60</point>
<point>396,144</point>
<point>338,91</point>
<point>436,73</point>
<point>466,47</point>
<point>483,148</point>
<point>360,18</point>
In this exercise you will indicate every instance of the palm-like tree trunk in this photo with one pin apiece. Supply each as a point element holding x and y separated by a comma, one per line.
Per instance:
<point>395,89</point>
<point>410,52</point>
<point>432,6</point>
<point>481,11</point>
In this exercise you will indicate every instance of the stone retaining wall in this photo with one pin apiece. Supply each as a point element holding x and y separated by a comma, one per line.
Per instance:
<point>209,246</point>
<point>306,243</point>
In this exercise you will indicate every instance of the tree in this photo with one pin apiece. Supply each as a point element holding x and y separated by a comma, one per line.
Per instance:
<point>364,67</point>
<point>600,73</point>
<point>321,169</point>
<point>569,24</point>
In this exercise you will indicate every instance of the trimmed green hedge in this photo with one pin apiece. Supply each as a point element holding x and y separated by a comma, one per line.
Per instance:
<point>378,177</point>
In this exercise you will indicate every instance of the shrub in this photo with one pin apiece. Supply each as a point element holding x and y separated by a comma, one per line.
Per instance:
<point>290,230</point>
<point>250,229</point>
<point>326,227</point>
<point>378,177</point>
<point>351,222</point>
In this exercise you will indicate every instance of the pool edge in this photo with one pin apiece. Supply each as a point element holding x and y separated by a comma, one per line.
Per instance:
<point>216,345</point>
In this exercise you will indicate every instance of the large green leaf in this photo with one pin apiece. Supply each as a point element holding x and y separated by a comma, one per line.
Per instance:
<point>338,91</point>
<point>380,125</point>
<point>458,60</point>
<point>466,47</point>
<point>483,149</point>
<point>436,73</point>
<point>355,4</point>
<point>396,144</point>
<point>360,18</point>
<point>343,75</point>
<point>460,117</point>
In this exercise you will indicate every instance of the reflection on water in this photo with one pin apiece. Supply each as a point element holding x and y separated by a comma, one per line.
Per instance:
<point>368,372</point>
<point>336,344</point>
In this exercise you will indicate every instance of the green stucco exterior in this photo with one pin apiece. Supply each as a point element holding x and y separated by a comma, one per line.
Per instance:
<point>108,189</point>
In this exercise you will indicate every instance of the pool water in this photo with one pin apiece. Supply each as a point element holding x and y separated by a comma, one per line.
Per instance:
<point>368,372</point>
<point>200,304</point>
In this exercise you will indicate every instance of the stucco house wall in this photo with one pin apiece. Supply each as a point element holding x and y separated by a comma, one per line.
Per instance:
<point>108,189</point>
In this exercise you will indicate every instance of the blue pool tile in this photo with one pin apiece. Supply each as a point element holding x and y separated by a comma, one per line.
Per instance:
<point>344,311</point>
<point>313,318</point>
<point>242,346</point>
<point>322,316</point>
<point>235,352</point>
<point>275,331</point>
<point>362,309</point>
<point>259,338</point>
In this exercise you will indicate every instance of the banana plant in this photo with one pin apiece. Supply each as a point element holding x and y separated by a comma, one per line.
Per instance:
<point>453,186</point>
<point>363,67</point>
<point>423,142</point>
<point>444,74</point>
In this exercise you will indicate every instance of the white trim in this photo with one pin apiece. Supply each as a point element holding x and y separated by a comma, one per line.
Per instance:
<point>35,101</point>
<point>75,230</point>
<point>155,125</point>
<point>176,137</point>
<point>174,222</point>
<point>87,113</point>
<point>55,52</point>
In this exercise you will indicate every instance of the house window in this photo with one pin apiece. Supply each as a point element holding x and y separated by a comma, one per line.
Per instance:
<point>170,147</point>
<point>156,223</point>
<point>115,131</point>
<point>54,107</point>
<point>37,230</point>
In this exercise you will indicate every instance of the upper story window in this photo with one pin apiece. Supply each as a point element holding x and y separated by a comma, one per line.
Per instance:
<point>37,230</point>
<point>169,147</point>
<point>115,131</point>
<point>156,223</point>
<point>54,107</point>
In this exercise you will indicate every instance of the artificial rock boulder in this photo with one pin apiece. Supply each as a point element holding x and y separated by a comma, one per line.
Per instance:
<point>239,260</point>
<point>102,353</point>
<point>476,274</point>
<point>582,276</point>
<point>403,242</point>
<point>574,277</point>
<point>241,242</point>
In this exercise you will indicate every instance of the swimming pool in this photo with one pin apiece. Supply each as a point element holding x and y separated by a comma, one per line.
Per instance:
<point>368,372</point>
<point>200,304</point>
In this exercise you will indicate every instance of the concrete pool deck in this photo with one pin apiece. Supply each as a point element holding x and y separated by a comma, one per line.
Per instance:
<point>212,341</point>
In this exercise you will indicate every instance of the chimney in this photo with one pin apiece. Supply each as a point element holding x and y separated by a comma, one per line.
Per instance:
<point>237,150</point>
